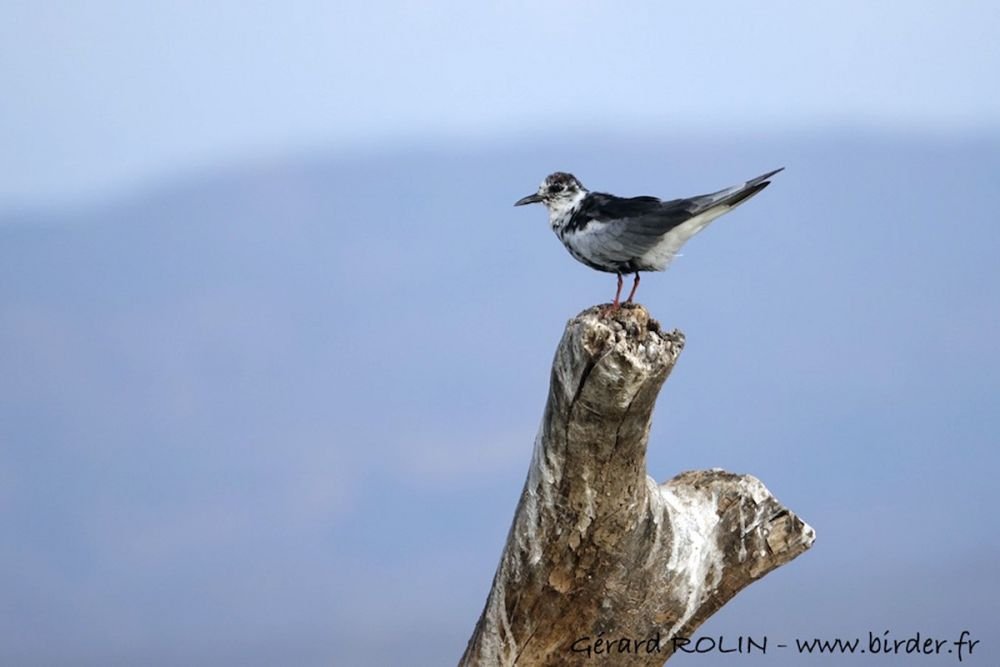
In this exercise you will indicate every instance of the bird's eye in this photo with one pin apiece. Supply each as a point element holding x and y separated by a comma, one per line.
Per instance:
<point>556,188</point>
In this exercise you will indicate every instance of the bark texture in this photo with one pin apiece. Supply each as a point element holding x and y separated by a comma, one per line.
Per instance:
<point>599,549</point>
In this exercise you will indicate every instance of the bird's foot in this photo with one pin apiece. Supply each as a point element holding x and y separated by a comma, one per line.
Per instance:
<point>609,310</point>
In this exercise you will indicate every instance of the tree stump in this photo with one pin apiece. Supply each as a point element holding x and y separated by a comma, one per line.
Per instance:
<point>600,559</point>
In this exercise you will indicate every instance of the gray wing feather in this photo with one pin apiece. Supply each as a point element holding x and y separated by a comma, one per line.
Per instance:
<point>731,197</point>
<point>640,226</point>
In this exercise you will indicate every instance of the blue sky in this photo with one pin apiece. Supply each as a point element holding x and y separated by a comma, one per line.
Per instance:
<point>100,95</point>
<point>277,343</point>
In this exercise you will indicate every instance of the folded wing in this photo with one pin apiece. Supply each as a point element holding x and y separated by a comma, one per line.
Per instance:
<point>645,233</point>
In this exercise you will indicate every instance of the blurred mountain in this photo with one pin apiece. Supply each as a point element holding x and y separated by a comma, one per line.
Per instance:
<point>216,393</point>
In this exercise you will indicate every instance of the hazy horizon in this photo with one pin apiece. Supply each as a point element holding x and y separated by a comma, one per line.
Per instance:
<point>195,175</point>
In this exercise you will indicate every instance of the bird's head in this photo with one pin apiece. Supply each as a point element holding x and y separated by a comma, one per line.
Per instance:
<point>559,191</point>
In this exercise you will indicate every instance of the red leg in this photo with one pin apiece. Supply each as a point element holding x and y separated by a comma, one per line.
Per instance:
<point>635,286</point>
<point>614,306</point>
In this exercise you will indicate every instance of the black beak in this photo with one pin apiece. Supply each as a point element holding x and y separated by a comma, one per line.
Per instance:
<point>530,199</point>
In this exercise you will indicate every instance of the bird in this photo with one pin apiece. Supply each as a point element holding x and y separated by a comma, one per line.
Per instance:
<point>624,235</point>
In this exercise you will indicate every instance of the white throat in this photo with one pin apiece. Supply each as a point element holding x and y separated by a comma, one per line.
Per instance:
<point>562,209</point>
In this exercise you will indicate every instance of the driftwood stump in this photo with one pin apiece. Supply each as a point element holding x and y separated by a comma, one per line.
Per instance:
<point>601,561</point>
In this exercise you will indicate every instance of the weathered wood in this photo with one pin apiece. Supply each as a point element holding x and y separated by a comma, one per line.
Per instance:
<point>597,548</point>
